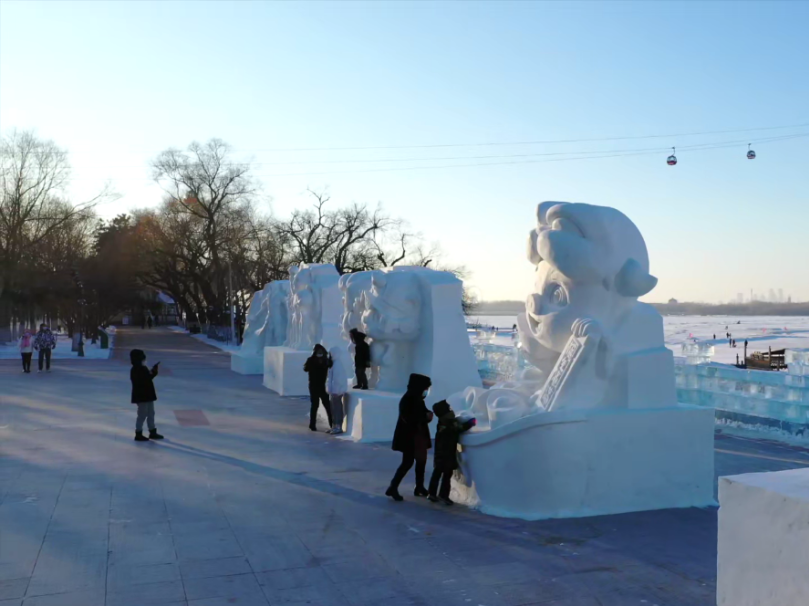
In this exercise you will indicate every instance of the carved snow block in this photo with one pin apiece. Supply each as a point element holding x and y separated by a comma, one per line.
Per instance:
<point>371,415</point>
<point>283,371</point>
<point>763,536</point>
<point>587,462</point>
<point>246,364</point>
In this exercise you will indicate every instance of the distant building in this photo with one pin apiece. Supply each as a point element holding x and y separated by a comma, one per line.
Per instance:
<point>672,301</point>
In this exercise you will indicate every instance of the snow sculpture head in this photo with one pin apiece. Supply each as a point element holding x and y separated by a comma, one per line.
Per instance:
<point>591,262</point>
<point>313,304</point>
<point>592,344</point>
<point>353,287</point>
<point>253,341</point>
<point>274,331</point>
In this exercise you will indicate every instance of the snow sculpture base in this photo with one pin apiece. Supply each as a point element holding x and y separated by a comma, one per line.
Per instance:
<point>246,364</point>
<point>283,371</point>
<point>587,462</point>
<point>763,535</point>
<point>371,415</point>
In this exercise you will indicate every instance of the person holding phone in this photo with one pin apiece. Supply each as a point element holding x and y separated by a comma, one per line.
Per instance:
<point>143,394</point>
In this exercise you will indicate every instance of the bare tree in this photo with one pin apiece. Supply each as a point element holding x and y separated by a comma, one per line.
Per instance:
<point>33,208</point>
<point>207,193</point>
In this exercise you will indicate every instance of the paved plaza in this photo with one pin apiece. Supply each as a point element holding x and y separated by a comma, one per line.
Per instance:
<point>243,505</point>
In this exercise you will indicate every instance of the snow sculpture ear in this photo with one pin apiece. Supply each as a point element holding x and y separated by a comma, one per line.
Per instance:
<point>532,251</point>
<point>633,280</point>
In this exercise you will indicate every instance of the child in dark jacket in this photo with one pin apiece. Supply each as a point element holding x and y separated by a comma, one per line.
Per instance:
<point>362,358</point>
<point>445,454</point>
<point>143,394</point>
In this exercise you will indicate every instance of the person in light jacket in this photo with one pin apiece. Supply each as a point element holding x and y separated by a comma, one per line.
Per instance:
<point>26,345</point>
<point>337,386</point>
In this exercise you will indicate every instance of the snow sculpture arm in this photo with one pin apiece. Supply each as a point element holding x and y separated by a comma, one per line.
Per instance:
<point>579,378</point>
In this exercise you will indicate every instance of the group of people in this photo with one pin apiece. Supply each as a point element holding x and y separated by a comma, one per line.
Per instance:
<point>328,385</point>
<point>43,342</point>
<point>328,380</point>
<point>412,439</point>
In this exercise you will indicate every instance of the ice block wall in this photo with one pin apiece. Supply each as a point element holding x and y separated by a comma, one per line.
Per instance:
<point>758,398</point>
<point>497,363</point>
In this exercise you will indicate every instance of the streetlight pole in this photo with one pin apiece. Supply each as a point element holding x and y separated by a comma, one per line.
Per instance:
<point>230,304</point>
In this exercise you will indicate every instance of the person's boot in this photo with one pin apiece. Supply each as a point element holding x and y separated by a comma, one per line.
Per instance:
<point>432,498</point>
<point>420,491</point>
<point>446,500</point>
<point>139,437</point>
<point>393,493</point>
<point>153,435</point>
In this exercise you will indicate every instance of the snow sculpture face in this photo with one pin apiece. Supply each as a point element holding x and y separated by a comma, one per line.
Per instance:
<point>353,286</point>
<point>591,262</point>
<point>392,307</point>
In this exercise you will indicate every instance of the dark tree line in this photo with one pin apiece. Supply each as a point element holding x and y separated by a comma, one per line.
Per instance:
<point>208,245</point>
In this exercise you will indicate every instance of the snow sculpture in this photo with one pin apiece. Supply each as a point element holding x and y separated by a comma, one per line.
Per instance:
<point>274,330</point>
<point>253,340</point>
<point>266,325</point>
<point>601,391</point>
<point>314,313</point>
<point>314,304</point>
<point>414,321</point>
<point>353,287</point>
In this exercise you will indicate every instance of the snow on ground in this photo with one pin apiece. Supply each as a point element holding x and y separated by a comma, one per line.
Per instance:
<point>231,347</point>
<point>761,332</point>
<point>10,351</point>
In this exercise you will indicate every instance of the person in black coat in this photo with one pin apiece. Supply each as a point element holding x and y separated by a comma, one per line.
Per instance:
<point>143,394</point>
<point>445,455</point>
<point>362,358</point>
<point>317,365</point>
<point>412,435</point>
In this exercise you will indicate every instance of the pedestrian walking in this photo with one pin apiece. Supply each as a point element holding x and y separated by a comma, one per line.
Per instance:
<point>44,343</point>
<point>412,435</point>
<point>445,454</point>
<point>143,394</point>
<point>149,321</point>
<point>337,386</point>
<point>362,358</point>
<point>26,345</point>
<point>317,365</point>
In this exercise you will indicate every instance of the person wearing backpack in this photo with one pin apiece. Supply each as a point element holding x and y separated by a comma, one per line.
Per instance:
<point>26,345</point>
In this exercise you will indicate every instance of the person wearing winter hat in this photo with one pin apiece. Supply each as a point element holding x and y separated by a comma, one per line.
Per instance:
<point>317,366</point>
<point>143,394</point>
<point>412,435</point>
<point>445,455</point>
<point>362,358</point>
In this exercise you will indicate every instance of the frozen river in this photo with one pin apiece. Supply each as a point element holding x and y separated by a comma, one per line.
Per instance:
<point>761,332</point>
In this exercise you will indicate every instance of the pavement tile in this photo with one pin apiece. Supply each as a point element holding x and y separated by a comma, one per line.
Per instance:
<point>77,598</point>
<point>357,569</point>
<point>200,569</point>
<point>208,545</point>
<point>294,577</point>
<point>319,595</point>
<point>14,588</point>
<point>152,594</point>
<point>242,585</point>
<point>125,576</point>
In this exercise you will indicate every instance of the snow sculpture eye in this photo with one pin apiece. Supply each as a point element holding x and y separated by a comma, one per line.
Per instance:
<point>556,295</point>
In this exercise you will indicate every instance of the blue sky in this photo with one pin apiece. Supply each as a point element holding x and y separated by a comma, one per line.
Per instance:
<point>117,82</point>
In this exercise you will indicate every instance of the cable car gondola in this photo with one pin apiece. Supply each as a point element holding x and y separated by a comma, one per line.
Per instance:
<point>751,155</point>
<point>672,159</point>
